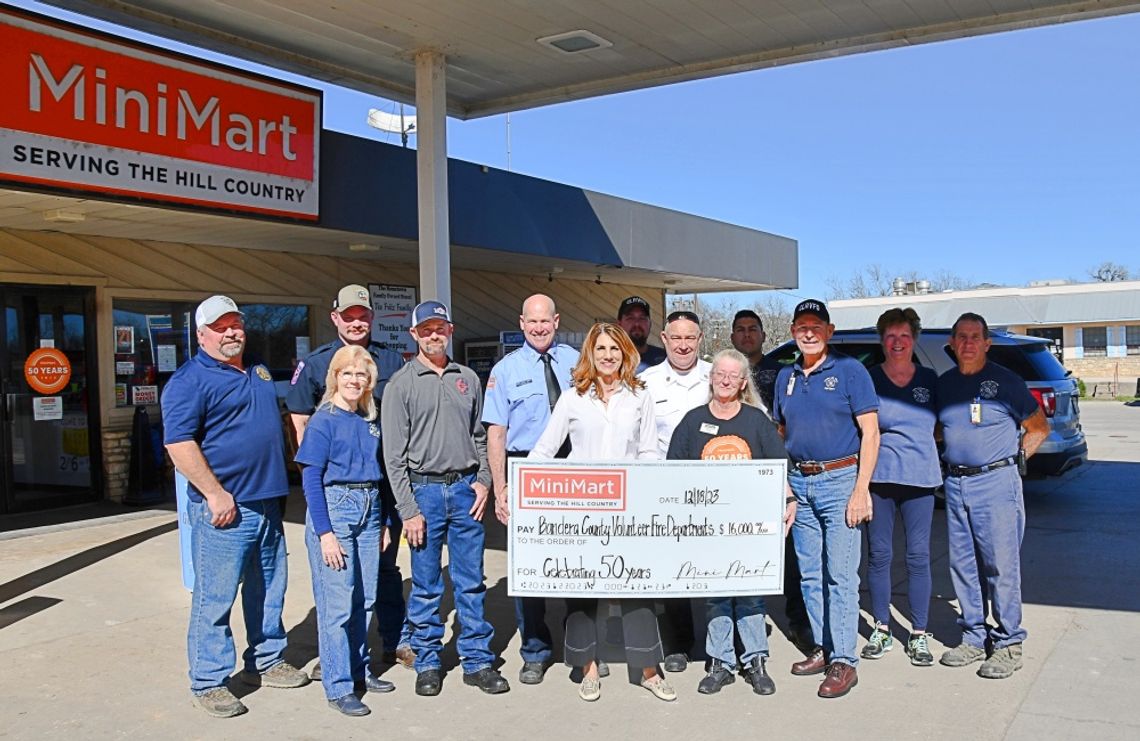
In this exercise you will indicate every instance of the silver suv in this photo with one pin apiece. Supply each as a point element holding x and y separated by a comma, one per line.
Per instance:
<point>1029,357</point>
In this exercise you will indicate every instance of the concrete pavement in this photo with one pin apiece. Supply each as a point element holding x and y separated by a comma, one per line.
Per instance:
<point>93,625</point>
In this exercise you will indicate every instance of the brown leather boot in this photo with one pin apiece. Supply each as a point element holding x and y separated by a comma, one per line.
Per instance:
<point>815,663</point>
<point>839,680</point>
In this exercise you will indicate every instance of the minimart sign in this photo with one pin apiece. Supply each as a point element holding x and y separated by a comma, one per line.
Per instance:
<point>87,111</point>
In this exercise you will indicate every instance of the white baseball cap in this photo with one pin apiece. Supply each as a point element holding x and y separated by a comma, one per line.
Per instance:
<point>213,309</point>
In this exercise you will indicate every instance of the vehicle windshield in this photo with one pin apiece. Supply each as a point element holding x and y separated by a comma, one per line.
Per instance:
<point>1030,360</point>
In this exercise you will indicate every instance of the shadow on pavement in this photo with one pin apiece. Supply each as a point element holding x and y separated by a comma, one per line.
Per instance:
<point>14,613</point>
<point>83,559</point>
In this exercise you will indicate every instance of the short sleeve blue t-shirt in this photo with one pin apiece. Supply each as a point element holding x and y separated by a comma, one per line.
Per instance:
<point>818,411</point>
<point>516,393</point>
<point>343,444</point>
<point>907,414</point>
<point>1005,403</point>
<point>233,416</point>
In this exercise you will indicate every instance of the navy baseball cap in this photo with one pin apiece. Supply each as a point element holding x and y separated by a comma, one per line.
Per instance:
<point>429,310</point>
<point>811,306</point>
<point>631,303</point>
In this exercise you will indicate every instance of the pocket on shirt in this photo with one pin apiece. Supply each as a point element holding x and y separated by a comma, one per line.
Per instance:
<point>533,406</point>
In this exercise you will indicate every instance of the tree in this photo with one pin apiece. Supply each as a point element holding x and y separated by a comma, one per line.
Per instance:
<point>874,280</point>
<point>716,321</point>
<point>1108,272</point>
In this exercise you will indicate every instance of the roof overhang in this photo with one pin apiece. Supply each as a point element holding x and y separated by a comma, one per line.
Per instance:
<point>496,63</point>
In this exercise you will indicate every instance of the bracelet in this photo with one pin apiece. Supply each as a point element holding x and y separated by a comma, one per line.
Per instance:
<point>789,500</point>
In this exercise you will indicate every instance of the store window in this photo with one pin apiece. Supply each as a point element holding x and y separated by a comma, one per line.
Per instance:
<point>1095,342</point>
<point>1132,339</point>
<point>153,338</point>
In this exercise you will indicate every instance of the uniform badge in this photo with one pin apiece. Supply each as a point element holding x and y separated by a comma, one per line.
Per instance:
<point>988,390</point>
<point>373,429</point>
<point>263,373</point>
<point>830,383</point>
<point>297,373</point>
<point>922,395</point>
<point>461,386</point>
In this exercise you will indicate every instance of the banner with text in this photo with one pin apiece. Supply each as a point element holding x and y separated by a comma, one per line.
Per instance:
<point>646,528</point>
<point>392,316</point>
<point>85,110</point>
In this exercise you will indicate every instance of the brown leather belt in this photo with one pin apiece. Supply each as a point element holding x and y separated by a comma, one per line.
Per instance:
<point>811,468</point>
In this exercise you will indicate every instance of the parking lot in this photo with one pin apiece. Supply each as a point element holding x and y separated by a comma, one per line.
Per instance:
<point>93,624</point>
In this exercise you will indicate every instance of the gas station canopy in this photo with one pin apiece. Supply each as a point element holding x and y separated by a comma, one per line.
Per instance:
<point>505,55</point>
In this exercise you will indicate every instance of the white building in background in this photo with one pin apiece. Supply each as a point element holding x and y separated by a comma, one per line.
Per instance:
<point>1096,326</point>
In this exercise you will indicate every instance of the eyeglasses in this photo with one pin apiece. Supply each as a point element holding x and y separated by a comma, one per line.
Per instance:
<point>726,376</point>
<point>683,315</point>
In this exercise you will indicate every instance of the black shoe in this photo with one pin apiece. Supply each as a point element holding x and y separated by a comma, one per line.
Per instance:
<point>532,672</point>
<point>374,684</point>
<point>603,669</point>
<point>429,682</point>
<point>349,705</point>
<point>757,676</point>
<point>676,662</point>
<point>719,676</point>
<point>488,680</point>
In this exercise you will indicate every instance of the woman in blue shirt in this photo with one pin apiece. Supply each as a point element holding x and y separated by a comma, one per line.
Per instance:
<point>906,475</point>
<point>342,526</point>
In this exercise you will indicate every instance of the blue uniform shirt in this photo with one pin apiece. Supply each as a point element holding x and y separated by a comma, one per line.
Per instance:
<point>651,357</point>
<point>343,448</point>
<point>516,393</point>
<point>343,444</point>
<point>907,451</point>
<point>1005,403</point>
<point>818,411</point>
<point>233,417</point>
<point>308,383</point>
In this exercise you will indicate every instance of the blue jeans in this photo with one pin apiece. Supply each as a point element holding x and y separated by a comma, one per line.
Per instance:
<point>345,597</point>
<point>447,514</point>
<point>828,552</point>
<point>250,553</point>
<point>747,615</point>
<point>985,524</point>
<point>391,620</point>
<point>530,615</point>
<point>917,508</point>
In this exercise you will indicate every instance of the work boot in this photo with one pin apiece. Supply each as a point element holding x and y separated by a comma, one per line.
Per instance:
<point>757,675</point>
<point>1002,663</point>
<point>962,655</point>
<point>719,677</point>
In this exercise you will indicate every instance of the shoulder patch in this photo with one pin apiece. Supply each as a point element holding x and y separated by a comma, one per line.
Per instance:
<point>490,383</point>
<point>263,373</point>
<point>297,373</point>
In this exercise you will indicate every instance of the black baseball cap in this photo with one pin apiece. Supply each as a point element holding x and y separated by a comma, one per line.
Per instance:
<point>811,306</point>
<point>633,302</point>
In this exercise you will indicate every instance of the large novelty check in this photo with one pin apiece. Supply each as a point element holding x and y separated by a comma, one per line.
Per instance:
<point>646,528</point>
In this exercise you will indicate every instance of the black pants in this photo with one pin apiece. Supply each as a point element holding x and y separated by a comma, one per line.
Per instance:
<point>677,626</point>
<point>595,628</point>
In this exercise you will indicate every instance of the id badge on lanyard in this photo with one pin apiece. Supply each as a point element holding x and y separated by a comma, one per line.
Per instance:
<point>976,411</point>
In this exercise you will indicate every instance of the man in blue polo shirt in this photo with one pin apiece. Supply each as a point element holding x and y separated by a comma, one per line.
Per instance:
<point>223,432</point>
<point>983,409</point>
<point>352,316</point>
<point>521,391</point>
<point>827,410</point>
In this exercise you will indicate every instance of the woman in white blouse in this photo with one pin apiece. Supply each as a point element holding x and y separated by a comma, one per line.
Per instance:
<point>608,416</point>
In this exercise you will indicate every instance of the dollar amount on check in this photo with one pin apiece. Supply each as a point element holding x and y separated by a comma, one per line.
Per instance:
<point>646,529</point>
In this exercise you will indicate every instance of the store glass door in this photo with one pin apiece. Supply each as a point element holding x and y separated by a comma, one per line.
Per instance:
<point>49,441</point>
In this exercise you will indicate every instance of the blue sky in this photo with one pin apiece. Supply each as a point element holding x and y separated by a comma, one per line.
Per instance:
<point>1004,158</point>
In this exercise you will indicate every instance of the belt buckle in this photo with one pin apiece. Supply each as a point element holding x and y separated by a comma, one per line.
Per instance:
<point>810,468</point>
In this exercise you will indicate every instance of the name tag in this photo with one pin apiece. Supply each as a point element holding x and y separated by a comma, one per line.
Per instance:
<point>791,385</point>
<point>976,412</point>
<point>524,382</point>
<point>709,429</point>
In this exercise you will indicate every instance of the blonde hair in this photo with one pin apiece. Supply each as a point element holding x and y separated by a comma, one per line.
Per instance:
<point>747,395</point>
<point>585,374</point>
<point>343,358</point>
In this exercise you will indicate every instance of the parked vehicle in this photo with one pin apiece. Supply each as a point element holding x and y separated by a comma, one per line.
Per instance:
<point>1029,357</point>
